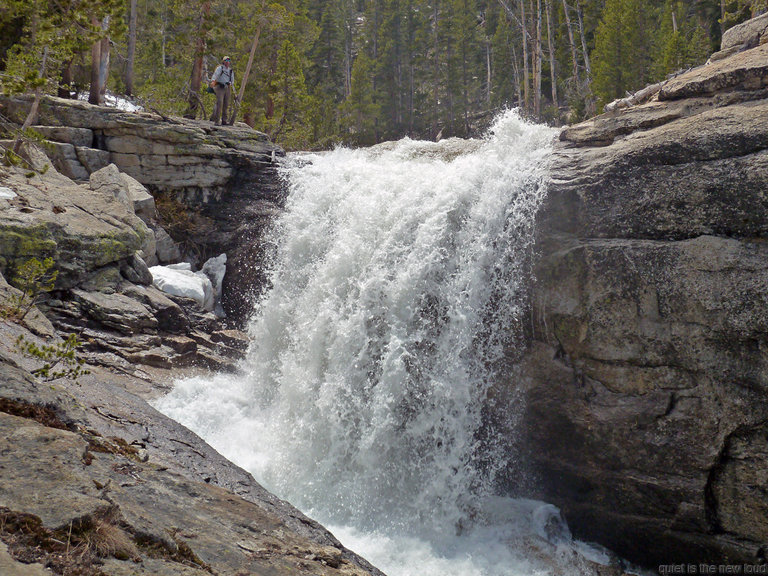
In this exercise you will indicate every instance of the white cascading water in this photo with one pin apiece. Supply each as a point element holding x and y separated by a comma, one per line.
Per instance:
<point>396,293</point>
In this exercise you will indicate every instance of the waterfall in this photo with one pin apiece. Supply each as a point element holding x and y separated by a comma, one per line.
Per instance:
<point>396,296</point>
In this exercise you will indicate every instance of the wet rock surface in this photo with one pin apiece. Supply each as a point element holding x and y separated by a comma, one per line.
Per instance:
<point>647,376</point>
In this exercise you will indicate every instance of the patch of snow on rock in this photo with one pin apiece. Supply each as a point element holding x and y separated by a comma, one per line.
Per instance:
<point>181,281</point>
<point>115,102</point>
<point>215,269</point>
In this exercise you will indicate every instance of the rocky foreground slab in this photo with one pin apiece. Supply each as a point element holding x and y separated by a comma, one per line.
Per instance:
<point>96,482</point>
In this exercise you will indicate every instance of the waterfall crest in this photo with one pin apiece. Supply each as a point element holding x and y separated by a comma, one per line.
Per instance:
<point>396,295</point>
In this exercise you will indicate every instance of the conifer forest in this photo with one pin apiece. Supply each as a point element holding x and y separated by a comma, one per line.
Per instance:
<point>316,73</point>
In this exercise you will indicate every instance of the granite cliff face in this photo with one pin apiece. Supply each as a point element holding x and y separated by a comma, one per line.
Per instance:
<point>646,380</point>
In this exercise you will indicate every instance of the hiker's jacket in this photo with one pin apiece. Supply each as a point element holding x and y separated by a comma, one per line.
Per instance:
<point>223,75</point>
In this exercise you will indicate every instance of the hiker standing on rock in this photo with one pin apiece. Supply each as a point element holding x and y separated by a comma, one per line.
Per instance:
<point>222,82</point>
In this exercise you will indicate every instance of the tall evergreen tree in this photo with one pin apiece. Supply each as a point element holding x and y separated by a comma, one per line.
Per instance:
<point>291,114</point>
<point>680,41</point>
<point>622,49</point>
<point>465,63</point>
<point>361,109</point>
<point>49,34</point>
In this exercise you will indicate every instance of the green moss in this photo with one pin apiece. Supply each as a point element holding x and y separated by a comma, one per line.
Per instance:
<point>17,242</point>
<point>109,249</point>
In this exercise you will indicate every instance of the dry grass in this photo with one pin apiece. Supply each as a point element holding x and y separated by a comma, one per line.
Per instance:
<point>106,539</point>
<point>41,414</point>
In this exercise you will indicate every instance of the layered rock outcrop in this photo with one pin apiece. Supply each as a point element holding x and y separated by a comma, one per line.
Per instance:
<point>646,382</point>
<point>224,176</point>
<point>103,291</point>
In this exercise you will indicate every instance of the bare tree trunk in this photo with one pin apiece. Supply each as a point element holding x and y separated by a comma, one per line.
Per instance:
<point>585,52</point>
<point>516,71</point>
<point>163,54</point>
<point>247,72</point>
<point>93,95</point>
<point>524,26</point>
<point>574,57</point>
<point>377,30</point>
<point>551,45</point>
<point>465,79</point>
<point>104,62</point>
<point>449,95</point>
<point>537,64</point>
<point>196,78</point>
<point>488,70</point>
<point>32,116</point>
<point>436,79</point>
<point>244,81</point>
<point>411,84</point>
<point>348,56</point>
<point>131,48</point>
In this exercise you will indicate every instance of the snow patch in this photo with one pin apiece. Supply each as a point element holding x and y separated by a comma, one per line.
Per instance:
<point>204,286</point>
<point>184,283</point>
<point>115,101</point>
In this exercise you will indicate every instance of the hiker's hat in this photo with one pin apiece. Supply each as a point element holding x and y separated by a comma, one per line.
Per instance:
<point>225,59</point>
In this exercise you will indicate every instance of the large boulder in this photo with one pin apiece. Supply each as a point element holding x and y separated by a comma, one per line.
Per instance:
<point>50,216</point>
<point>747,34</point>
<point>647,375</point>
<point>110,180</point>
<point>115,311</point>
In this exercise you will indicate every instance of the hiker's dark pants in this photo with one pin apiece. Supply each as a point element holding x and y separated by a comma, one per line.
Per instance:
<point>222,104</point>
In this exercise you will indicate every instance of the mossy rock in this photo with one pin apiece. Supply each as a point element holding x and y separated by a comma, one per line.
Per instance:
<point>19,241</point>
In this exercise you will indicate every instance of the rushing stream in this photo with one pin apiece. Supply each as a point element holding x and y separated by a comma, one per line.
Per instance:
<point>396,298</point>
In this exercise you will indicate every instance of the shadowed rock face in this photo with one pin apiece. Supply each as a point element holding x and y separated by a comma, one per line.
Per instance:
<point>647,377</point>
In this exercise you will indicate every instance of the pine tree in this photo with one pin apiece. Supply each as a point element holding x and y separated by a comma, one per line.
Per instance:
<point>506,74</point>
<point>463,64</point>
<point>680,42</point>
<point>734,12</point>
<point>47,37</point>
<point>290,121</point>
<point>621,55</point>
<point>361,109</point>
<point>390,70</point>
